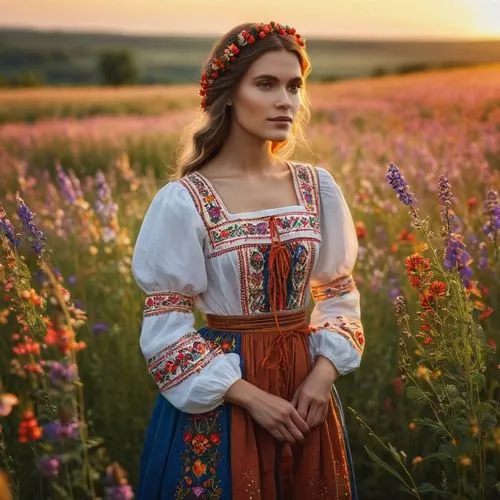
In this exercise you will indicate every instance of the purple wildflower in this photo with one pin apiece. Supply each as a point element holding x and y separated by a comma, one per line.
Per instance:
<point>399,185</point>
<point>100,327</point>
<point>56,430</point>
<point>492,209</point>
<point>77,186</point>
<point>65,185</point>
<point>457,257</point>
<point>104,205</point>
<point>8,230</point>
<point>49,466</point>
<point>62,374</point>
<point>123,492</point>
<point>36,237</point>
<point>483,256</point>
<point>80,304</point>
<point>444,193</point>
<point>116,484</point>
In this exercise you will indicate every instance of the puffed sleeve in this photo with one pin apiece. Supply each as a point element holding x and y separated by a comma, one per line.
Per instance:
<point>336,314</point>
<point>168,264</point>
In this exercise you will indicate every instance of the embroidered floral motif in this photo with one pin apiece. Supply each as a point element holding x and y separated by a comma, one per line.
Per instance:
<point>303,256</point>
<point>210,202</point>
<point>180,360</point>
<point>351,329</point>
<point>336,288</point>
<point>202,438</point>
<point>234,231</point>
<point>307,179</point>
<point>225,342</point>
<point>200,458</point>
<point>164,302</point>
<point>252,262</point>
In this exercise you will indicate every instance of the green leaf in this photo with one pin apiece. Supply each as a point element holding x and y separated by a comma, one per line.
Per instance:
<point>451,390</point>
<point>384,465</point>
<point>415,393</point>
<point>488,422</point>
<point>430,488</point>
<point>479,380</point>
<point>439,455</point>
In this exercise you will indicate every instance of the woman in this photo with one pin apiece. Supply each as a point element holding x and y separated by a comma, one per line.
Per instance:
<point>247,409</point>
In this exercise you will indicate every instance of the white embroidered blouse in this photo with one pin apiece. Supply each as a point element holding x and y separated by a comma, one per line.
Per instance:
<point>191,251</point>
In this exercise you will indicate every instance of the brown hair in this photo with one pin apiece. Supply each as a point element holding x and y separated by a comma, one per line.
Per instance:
<point>203,139</point>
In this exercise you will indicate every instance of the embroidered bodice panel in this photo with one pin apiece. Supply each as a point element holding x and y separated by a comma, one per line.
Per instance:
<point>236,246</point>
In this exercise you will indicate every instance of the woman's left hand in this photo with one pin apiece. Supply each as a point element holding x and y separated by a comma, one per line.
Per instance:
<point>312,396</point>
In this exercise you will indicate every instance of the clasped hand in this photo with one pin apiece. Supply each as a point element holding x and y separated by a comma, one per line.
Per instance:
<point>312,397</point>
<point>291,421</point>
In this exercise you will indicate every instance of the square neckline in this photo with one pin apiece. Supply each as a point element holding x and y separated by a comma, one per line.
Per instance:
<point>264,211</point>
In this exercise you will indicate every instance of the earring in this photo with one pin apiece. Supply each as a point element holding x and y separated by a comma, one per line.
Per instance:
<point>229,103</point>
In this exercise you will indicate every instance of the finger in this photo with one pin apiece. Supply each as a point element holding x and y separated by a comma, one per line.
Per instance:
<point>295,431</point>
<point>285,432</point>
<point>296,395</point>
<point>303,406</point>
<point>321,415</point>
<point>277,435</point>
<point>312,415</point>
<point>299,422</point>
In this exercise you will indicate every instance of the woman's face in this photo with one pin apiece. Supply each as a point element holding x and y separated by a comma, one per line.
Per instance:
<point>269,89</point>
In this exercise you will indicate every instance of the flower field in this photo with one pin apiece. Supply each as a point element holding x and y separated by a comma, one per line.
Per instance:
<point>418,159</point>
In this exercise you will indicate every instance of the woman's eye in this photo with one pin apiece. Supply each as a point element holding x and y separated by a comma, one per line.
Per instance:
<point>295,88</point>
<point>262,84</point>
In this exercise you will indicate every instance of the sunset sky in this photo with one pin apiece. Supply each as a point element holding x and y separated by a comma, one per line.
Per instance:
<point>326,18</point>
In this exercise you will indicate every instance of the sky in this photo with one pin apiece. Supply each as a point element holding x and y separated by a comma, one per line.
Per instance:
<point>361,19</point>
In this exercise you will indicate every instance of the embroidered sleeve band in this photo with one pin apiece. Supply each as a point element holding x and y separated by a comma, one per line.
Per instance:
<point>164,302</point>
<point>180,360</point>
<point>351,329</point>
<point>336,288</point>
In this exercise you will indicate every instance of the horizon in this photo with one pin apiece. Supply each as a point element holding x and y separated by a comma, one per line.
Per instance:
<point>386,20</point>
<point>339,38</point>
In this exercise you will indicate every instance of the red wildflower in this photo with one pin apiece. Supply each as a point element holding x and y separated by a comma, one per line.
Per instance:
<point>417,264</point>
<point>472,202</point>
<point>29,430</point>
<point>426,299</point>
<point>437,288</point>
<point>360,230</point>
<point>415,281</point>
<point>406,235</point>
<point>428,339</point>
<point>399,385</point>
<point>486,313</point>
<point>418,270</point>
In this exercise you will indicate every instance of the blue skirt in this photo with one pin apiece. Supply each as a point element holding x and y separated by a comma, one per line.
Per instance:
<point>188,456</point>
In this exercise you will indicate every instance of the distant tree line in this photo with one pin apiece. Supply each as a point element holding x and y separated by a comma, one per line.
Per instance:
<point>115,67</point>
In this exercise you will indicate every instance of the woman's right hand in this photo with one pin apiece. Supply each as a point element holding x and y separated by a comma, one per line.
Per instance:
<point>278,416</point>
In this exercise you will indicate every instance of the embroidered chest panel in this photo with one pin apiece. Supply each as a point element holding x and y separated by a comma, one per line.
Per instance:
<point>250,237</point>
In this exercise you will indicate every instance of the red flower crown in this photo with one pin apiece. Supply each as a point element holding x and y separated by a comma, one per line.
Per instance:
<point>219,65</point>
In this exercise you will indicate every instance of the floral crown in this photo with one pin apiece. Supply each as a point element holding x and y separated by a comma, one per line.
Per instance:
<point>218,65</point>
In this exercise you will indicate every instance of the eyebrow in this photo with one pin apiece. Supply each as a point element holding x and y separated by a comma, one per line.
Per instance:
<point>276,79</point>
